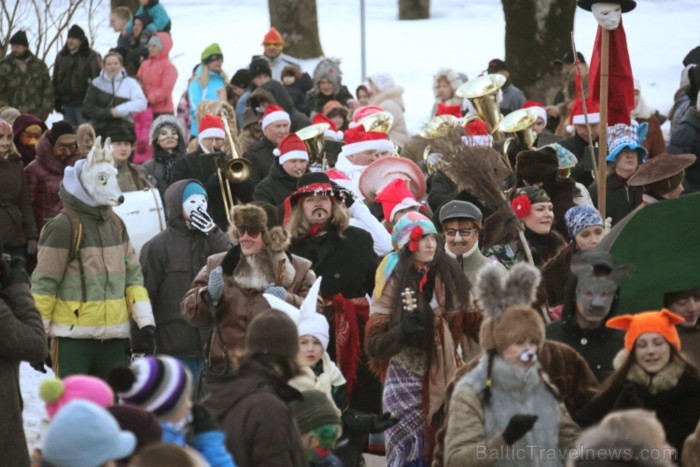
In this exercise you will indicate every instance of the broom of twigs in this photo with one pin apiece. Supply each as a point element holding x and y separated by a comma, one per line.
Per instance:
<point>481,171</point>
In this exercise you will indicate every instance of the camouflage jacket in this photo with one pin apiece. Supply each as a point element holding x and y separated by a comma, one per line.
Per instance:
<point>26,86</point>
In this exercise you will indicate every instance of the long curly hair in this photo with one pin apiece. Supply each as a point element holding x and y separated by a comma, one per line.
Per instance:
<point>299,227</point>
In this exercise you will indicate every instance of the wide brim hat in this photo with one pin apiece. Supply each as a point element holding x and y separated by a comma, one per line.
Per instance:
<point>661,167</point>
<point>627,5</point>
<point>316,184</point>
<point>621,136</point>
<point>382,171</point>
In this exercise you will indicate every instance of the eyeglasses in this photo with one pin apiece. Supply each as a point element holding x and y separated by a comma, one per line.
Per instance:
<point>252,233</point>
<point>466,233</point>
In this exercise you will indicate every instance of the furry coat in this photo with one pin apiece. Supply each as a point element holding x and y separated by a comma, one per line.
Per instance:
<point>455,80</point>
<point>391,100</point>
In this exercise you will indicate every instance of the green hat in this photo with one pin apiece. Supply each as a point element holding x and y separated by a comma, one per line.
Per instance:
<point>212,49</point>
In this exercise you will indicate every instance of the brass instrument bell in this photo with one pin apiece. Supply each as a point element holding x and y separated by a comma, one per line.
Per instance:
<point>313,138</point>
<point>379,121</point>
<point>483,93</point>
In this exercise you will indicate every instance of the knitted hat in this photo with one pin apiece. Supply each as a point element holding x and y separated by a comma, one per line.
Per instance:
<point>273,36</point>
<point>577,116</point>
<point>241,78</point>
<point>59,129</point>
<point>477,134</point>
<point>523,198</point>
<point>538,108</point>
<point>193,188</point>
<point>211,126</point>
<point>19,38</point>
<point>536,165</point>
<point>663,173</point>
<point>76,32</point>
<point>410,229</point>
<point>358,139</point>
<point>57,393</point>
<point>274,113</point>
<point>328,68</point>
<point>210,52</point>
<point>332,132</point>
<point>662,322</point>
<point>496,65</point>
<point>316,326</point>
<point>83,434</point>
<point>314,411</point>
<point>394,197</point>
<point>567,159</point>
<point>457,209</point>
<point>155,41</point>
<point>143,424</point>
<point>259,66</point>
<point>454,110</point>
<point>291,147</point>
<point>161,385</point>
<point>621,136</point>
<point>272,333</point>
<point>9,114</point>
<point>581,217</point>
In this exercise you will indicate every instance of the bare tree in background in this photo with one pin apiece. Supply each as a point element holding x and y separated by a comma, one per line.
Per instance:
<point>414,9</point>
<point>46,23</point>
<point>297,21</point>
<point>537,32</point>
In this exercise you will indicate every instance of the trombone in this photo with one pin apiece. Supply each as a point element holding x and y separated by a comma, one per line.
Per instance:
<point>236,169</point>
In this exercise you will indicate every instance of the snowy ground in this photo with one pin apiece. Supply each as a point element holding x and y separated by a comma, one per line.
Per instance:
<point>34,411</point>
<point>462,34</point>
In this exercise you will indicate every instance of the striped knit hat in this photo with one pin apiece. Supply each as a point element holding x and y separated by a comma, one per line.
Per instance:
<point>160,385</point>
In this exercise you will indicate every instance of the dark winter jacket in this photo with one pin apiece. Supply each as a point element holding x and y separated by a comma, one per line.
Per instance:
<point>260,156</point>
<point>686,139</point>
<point>23,339</point>
<point>513,98</point>
<point>620,199</point>
<point>690,343</point>
<point>275,188</point>
<point>17,224</point>
<point>170,261</point>
<point>156,167</point>
<point>44,175</point>
<point>251,408</point>
<point>121,93</point>
<point>274,92</point>
<point>26,85</point>
<point>555,272</point>
<point>27,152</point>
<point>301,103</point>
<point>72,74</point>
<point>317,100</point>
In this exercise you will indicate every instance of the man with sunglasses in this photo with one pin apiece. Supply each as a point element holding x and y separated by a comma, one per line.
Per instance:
<point>273,45</point>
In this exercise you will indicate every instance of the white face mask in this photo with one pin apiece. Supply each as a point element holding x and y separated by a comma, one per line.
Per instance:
<point>193,203</point>
<point>608,15</point>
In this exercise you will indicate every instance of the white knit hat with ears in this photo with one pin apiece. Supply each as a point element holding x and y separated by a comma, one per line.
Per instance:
<point>308,321</point>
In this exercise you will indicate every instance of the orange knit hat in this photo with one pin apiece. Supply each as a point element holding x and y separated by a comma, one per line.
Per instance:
<point>273,36</point>
<point>662,322</point>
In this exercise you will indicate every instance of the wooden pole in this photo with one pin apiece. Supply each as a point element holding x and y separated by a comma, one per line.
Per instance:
<point>603,132</point>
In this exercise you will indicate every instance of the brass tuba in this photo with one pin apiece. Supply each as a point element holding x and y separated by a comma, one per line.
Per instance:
<point>519,123</point>
<point>313,138</point>
<point>483,94</point>
<point>379,121</point>
<point>436,127</point>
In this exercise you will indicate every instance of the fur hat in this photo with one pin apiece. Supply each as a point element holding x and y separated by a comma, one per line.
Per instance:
<point>662,322</point>
<point>313,411</point>
<point>254,218</point>
<point>535,165</point>
<point>19,38</point>
<point>58,392</point>
<point>163,120</point>
<point>505,298</point>
<point>272,333</point>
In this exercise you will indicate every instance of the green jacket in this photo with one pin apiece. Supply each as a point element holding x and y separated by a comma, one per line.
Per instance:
<point>26,86</point>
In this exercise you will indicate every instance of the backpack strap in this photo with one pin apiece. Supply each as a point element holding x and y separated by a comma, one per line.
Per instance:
<point>74,249</point>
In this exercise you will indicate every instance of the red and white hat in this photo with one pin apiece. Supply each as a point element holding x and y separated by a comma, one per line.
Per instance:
<point>454,110</point>
<point>331,133</point>
<point>477,134</point>
<point>211,126</point>
<point>274,113</point>
<point>363,112</point>
<point>394,197</point>
<point>577,116</point>
<point>291,147</point>
<point>358,139</point>
<point>538,108</point>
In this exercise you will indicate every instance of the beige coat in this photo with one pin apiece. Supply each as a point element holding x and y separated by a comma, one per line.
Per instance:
<point>391,100</point>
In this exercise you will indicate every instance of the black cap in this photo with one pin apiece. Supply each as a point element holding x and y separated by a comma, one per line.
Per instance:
<point>19,38</point>
<point>259,66</point>
<point>59,129</point>
<point>76,32</point>
<point>497,65</point>
<point>241,78</point>
<point>693,57</point>
<point>568,59</point>
<point>121,131</point>
<point>460,210</point>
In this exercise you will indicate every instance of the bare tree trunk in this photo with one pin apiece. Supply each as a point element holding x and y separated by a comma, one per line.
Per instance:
<point>537,32</point>
<point>297,21</point>
<point>133,5</point>
<point>414,9</point>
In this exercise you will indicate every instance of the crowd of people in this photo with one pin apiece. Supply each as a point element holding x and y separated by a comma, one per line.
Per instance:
<point>326,284</point>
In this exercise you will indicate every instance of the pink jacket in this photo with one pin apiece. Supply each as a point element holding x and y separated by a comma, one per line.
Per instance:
<point>158,76</point>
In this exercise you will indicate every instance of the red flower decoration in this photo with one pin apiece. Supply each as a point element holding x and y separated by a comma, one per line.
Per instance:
<point>415,236</point>
<point>521,205</point>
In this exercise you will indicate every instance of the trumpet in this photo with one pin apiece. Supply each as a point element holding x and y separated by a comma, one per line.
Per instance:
<point>483,93</point>
<point>236,169</point>
<point>313,138</point>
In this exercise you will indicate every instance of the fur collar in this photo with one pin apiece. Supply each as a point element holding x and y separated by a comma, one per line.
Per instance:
<point>259,271</point>
<point>664,380</point>
<point>394,93</point>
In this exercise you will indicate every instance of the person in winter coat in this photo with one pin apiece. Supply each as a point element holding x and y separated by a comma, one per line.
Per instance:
<point>163,386</point>
<point>328,86</point>
<point>275,127</point>
<point>273,45</point>
<point>590,300</point>
<point>171,260</point>
<point>24,339</point>
<point>686,304</point>
<point>118,19</point>
<point>168,141</point>
<point>506,404</point>
<point>158,75</point>
<point>56,150</point>
<point>651,374</point>
<point>18,233</point>
<point>295,83</point>
<point>209,79</point>
<point>388,96</point>
<point>137,45</point>
<point>85,134</point>
<point>233,283</point>
<point>274,93</point>
<point>445,83</point>
<point>251,130</point>
<point>250,403</point>
<point>160,21</point>
<point>76,65</point>
<point>27,129</point>
<point>643,113</point>
<point>512,98</point>
<point>131,177</point>
<point>686,139</point>
<point>87,297</point>
<point>113,95</point>
<point>25,83</point>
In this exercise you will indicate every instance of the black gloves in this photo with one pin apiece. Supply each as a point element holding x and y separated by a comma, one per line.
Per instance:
<point>411,326</point>
<point>12,272</point>
<point>202,420</point>
<point>518,426</point>
<point>39,366</point>
<point>144,340</point>
<point>358,423</point>
<point>382,422</point>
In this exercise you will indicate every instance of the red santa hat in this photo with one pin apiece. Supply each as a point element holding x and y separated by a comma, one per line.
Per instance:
<point>358,139</point>
<point>332,132</point>
<point>273,36</point>
<point>477,134</point>
<point>577,116</point>
<point>211,126</point>
<point>363,112</point>
<point>274,113</point>
<point>538,108</point>
<point>454,110</point>
<point>394,197</point>
<point>291,147</point>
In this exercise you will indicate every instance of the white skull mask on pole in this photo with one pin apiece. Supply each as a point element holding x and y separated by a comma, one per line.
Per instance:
<point>607,15</point>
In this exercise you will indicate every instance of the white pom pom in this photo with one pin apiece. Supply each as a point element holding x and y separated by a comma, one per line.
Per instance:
<point>570,128</point>
<point>277,152</point>
<point>339,135</point>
